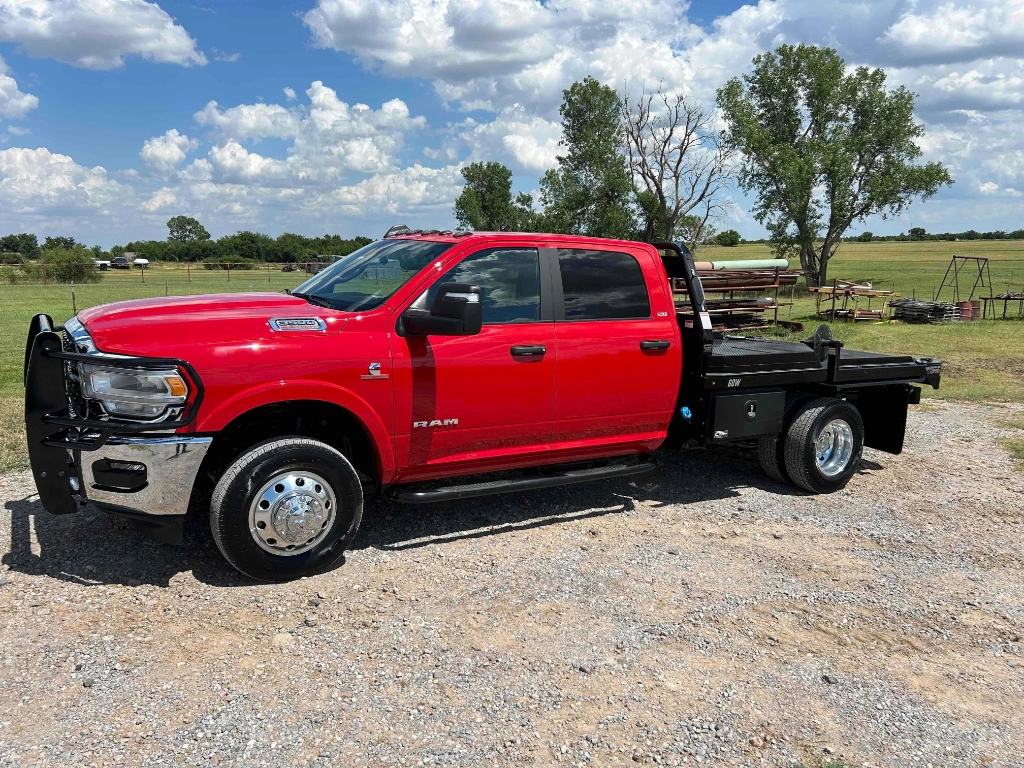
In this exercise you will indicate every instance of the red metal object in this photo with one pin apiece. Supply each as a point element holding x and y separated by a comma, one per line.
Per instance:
<point>593,393</point>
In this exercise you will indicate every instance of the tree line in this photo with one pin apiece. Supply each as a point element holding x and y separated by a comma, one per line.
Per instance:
<point>188,240</point>
<point>918,234</point>
<point>818,145</point>
<point>63,259</point>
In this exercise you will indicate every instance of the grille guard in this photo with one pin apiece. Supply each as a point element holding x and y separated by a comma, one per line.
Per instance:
<point>46,394</point>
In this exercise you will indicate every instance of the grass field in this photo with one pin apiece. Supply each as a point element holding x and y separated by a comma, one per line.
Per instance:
<point>984,360</point>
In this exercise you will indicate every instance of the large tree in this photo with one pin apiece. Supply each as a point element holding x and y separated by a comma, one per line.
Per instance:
<point>823,148</point>
<point>185,229</point>
<point>486,203</point>
<point>680,164</point>
<point>25,243</point>
<point>590,192</point>
<point>59,243</point>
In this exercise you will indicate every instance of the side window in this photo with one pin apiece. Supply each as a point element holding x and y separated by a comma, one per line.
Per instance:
<point>602,285</point>
<point>509,277</point>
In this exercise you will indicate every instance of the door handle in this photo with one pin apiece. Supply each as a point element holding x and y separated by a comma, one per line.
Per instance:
<point>649,346</point>
<point>528,350</point>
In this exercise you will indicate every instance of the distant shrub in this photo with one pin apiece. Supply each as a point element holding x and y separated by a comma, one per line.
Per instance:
<point>11,258</point>
<point>70,266</point>
<point>730,238</point>
<point>228,262</point>
<point>10,275</point>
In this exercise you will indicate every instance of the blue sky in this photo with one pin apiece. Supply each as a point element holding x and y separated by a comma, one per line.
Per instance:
<point>116,115</point>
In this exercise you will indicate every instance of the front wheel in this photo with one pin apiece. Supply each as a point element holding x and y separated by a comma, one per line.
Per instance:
<point>824,445</point>
<point>286,508</point>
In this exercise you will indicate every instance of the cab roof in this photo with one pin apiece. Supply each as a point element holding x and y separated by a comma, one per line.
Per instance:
<point>450,236</point>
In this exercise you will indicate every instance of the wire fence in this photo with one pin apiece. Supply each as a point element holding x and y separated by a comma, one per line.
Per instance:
<point>42,291</point>
<point>46,274</point>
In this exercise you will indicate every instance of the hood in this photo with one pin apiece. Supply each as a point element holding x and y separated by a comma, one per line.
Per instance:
<point>158,326</point>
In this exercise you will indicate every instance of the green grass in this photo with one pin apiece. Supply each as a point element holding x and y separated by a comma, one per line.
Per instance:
<point>12,434</point>
<point>18,303</point>
<point>983,360</point>
<point>1015,446</point>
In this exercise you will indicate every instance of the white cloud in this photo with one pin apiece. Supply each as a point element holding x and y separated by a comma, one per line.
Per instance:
<point>161,201</point>
<point>37,182</point>
<point>524,142</point>
<point>165,153</point>
<point>959,31</point>
<point>17,130</point>
<point>289,94</point>
<point>329,137</point>
<point>230,58</point>
<point>96,34</point>
<point>410,189</point>
<point>493,53</point>
<point>250,121</point>
<point>233,163</point>
<point>14,104</point>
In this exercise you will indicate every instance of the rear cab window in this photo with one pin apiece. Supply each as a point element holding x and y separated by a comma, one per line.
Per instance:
<point>602,285</point>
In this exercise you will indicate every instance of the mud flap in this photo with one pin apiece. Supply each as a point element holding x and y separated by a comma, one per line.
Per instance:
<point>884,411</point>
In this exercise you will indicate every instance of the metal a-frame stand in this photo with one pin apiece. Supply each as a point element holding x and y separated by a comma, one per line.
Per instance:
<point>983,278</point>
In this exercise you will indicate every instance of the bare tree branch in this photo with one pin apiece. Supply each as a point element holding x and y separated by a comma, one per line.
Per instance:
<point>681,166</point>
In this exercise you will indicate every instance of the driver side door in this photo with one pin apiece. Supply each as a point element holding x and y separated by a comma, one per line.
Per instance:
<point>485,401</point>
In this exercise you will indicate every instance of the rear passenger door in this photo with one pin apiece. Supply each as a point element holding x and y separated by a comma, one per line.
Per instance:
<point>618,358</point>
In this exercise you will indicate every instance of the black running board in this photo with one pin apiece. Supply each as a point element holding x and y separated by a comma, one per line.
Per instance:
<point>569,477</point>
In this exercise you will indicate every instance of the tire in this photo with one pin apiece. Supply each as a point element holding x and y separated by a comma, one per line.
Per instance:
<point>771,449</point>
<point>804,464</point>
<point>286,508</point>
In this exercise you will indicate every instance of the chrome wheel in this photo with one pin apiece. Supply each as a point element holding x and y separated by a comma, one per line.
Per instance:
<point>292,513</point>
<point>834,447</point>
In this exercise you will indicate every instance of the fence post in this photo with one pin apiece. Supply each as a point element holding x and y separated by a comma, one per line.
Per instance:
<point>166,289</point>
<point>143,271</point>
<point>74,305</point>
<point>229,272</point>
<point>268,271</point>
<point>188,271</point>
<point>46,279</point>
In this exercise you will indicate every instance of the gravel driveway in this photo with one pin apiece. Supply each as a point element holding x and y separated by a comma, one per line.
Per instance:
<point>702,615</point>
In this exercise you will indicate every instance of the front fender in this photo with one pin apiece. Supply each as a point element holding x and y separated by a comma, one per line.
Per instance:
<point>224,413</point>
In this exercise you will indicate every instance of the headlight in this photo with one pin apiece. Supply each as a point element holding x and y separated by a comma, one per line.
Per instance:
<point>133,392</point>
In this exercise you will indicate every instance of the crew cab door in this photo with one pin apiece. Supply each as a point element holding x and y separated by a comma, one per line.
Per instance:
<point>484,400</point>
<point>617,349</point>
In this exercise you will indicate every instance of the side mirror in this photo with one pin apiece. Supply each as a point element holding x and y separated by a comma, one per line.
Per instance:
<point>457,310</point>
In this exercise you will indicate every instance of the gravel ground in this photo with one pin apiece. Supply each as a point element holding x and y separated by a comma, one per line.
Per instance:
<point>702,615</point>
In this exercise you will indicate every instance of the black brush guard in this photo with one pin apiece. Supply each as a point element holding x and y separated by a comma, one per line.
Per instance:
<point>49,423</point>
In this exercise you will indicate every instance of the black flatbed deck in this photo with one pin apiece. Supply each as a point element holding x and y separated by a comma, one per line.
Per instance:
<point>746,361</point>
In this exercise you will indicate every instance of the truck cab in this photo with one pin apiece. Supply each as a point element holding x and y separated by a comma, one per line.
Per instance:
<point>418,366</point>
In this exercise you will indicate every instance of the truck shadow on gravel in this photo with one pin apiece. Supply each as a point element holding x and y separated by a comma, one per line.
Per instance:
<point>92,547</point>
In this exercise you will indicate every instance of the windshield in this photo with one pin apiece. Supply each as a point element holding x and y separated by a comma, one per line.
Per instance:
<point>365,278</point>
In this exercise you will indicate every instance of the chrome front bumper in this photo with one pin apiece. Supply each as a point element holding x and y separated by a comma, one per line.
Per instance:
<point>171,463</point>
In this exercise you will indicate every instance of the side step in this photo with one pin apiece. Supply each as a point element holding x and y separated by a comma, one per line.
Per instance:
<point>569,477</point>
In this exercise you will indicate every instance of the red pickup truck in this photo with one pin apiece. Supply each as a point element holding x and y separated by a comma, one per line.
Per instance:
<point>420,366</point>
